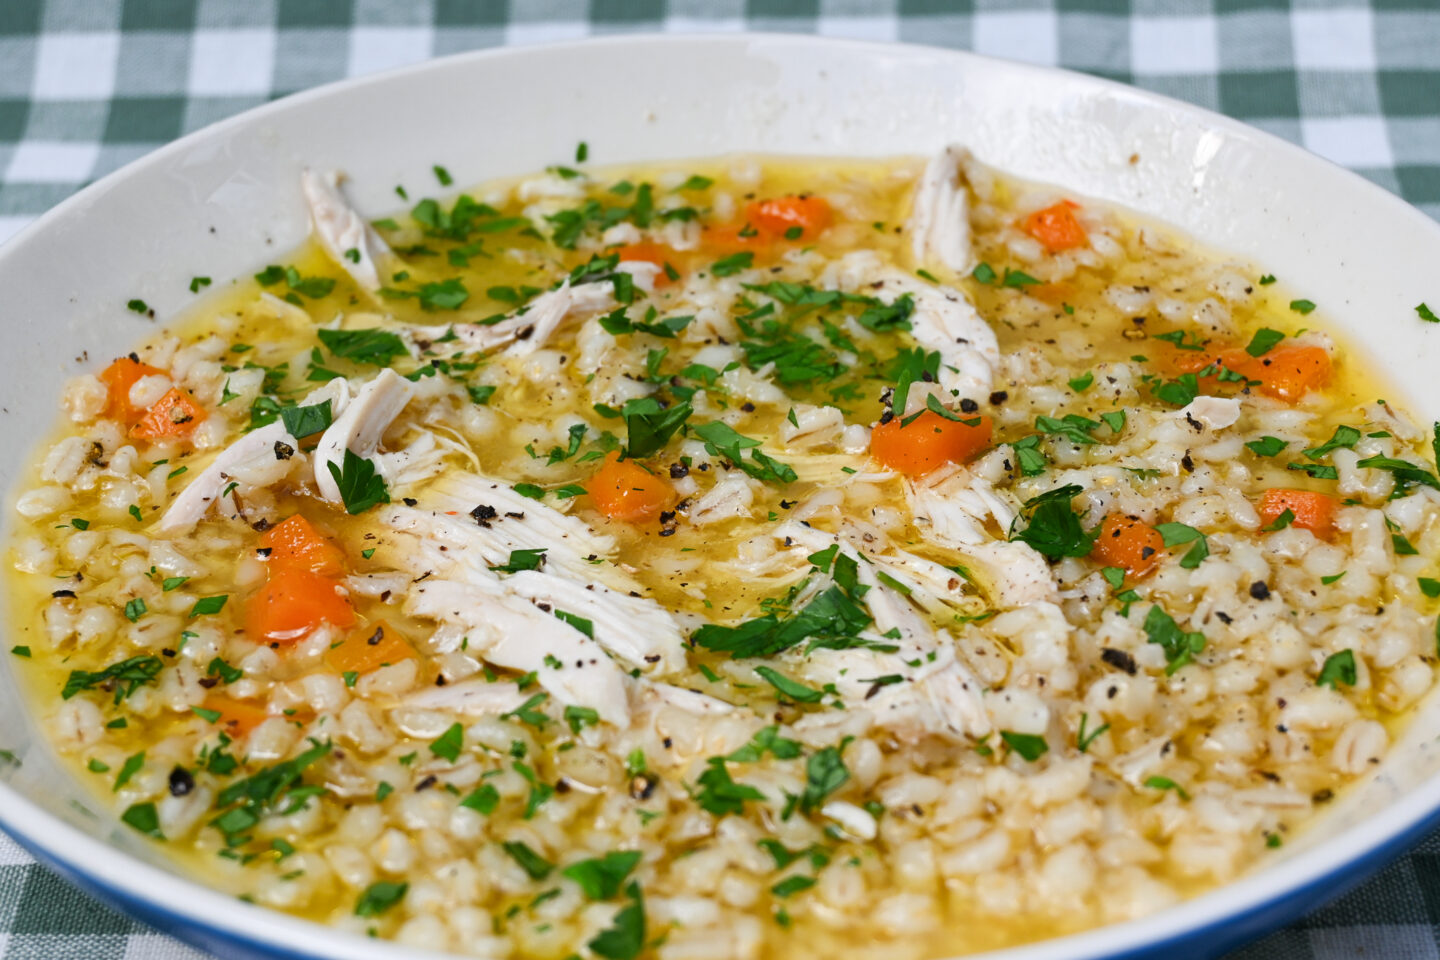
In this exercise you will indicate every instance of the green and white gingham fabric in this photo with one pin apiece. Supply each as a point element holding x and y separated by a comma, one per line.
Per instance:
<point>88,85</point>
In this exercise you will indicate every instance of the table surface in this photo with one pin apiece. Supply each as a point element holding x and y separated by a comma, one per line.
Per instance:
<point>88,85</point>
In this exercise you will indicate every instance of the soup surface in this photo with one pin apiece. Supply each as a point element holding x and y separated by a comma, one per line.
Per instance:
<point>747,558</point>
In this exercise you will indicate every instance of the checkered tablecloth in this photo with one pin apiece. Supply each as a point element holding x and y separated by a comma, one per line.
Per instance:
<point>88,85</point>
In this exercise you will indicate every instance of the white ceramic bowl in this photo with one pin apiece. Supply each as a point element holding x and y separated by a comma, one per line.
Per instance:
<point>224,201</point>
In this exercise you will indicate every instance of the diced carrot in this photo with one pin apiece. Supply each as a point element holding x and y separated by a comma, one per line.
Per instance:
<point>729,238</point>
<point>369,648</point>
<point>237,717</point>
<point>294,603</point>
<point>1056,227</point>
<point>174,415</point>
<point>647,252</point>
<point>1054,293</point>
<point>1128,542</point>
<point>296,543</point>
<point>1312,510</point>
<point>118,378</point>
<point>1286,372</point>
<point>929,441</point>
<point>782,215</point>
<point>624,490</point>
<point>1289,372</point>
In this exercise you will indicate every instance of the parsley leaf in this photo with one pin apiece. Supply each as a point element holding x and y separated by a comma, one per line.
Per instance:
<point>733,264</point>
<point>523,560</point>
<point>767,740</point>
<point>1264,339</point>
<point>1266,446</point>
<point>531,862</point>
<point>649,427</point>
<point>379,897</point>
<point>1427,314</point>
<point>1054,528</point>
<point>449,744</point>
<point>371,346</point>
<point>600,878</point>
<point>626,937</point>
<point>1344,436</point>
<point>789,688</point>
<point>304,421</point>
<point>360,486</point>
<point>1030,746</point>
<point>127,676</point>
<point>825,772</point>
<point>1179,646</point>
<point>1176,534</point>
<point>1338,668</point>
<point>719,794</point>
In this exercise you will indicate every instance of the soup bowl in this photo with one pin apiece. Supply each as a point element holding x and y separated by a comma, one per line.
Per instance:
<point>219,202</point>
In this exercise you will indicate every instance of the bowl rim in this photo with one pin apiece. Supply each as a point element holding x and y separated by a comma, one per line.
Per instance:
<point>1231,913</point>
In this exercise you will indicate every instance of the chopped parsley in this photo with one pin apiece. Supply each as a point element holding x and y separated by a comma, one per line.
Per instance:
<point>531,862</point>
<point>1054,529</point>
<point>379,897</point>
<point>449,744</point>
<point>1180,646</point>
<point>304,421</point>
<point>1302,306</point>
<point>1266,446</point>
<point>825,772</point>
<point>1029,745</point>
<point>789,688</point>
<point>1177,534</point>
<point>143,817</point>
<point>625,937</point>
<point>370,346</point>
<point>600,878</point>
<point>1263,341</point>
<point>719,794</point>
<point>1165,783</point>
<point>1338,668</point>
<point>1344,437</point>
<point>733,264</point>
<point>124,677</point>
<point>360,486</point>
<point>207,606</point>
<point>1427,314</point>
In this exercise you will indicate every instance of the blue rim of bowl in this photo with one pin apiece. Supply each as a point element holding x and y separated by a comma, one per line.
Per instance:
<point>1230,926</point>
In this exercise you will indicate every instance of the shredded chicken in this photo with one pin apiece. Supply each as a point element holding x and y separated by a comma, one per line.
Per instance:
<point>940,214</point>
<point>944,320</point>
<point>346,236</point>
<point>253,459</point>
<point>528,329</point>
<point>360,427</point>
<point>956,514</point>
<point>514,633</point>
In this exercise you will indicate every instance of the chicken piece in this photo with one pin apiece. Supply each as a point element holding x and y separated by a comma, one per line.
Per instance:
<point>345,235</point>
<point>254,450</point>
<point>944,320</point>
<point>483,521</point>
<point>731,497</point>
<point>527,330</point>
<point>360,427</point>
<point>955,514</point>
<point>511,632</point>
<point>636,629</point>
<point>940,213</point>
<point>253,459</point>
<point>939,696</point>
<point>474,698</point>
<point>1216,413</point>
